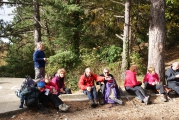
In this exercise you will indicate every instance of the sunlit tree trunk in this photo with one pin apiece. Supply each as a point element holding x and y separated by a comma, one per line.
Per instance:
<point>157,37</point>
<point>36,17</point>
<point>126,39</point>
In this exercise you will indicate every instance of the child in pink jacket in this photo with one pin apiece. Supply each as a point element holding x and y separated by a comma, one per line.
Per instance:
<point>152,82</point>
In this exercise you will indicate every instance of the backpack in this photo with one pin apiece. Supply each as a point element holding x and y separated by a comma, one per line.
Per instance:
<point>26,83</point>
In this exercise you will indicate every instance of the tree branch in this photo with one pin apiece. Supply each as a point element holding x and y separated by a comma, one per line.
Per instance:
<point>118,16</point>
<point>117,2</point>
<point>1,2</point>
<point>120,37</point>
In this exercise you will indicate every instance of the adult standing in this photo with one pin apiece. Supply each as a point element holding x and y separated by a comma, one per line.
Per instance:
<point>39,61</point>
<point>172,77</point>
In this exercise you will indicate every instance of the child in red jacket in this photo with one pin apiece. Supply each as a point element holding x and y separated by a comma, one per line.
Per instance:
<point>51,91</point>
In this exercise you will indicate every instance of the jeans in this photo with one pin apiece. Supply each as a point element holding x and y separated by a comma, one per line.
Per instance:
<point>91,94</point>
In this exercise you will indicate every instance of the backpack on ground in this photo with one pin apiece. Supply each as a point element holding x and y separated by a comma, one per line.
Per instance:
<point>26,83</point>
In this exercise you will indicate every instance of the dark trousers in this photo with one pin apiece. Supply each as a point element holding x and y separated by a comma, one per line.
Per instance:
<point>91,94</point>
<point>155,87</point>
<point>55,100</point>
<point>32,102</point>
<point>138,90</point>
<point>174,86</point>
<point>43,99</point>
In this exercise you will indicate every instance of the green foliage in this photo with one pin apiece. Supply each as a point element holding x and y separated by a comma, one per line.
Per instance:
<point>62,59</point>
<point>110,54</point>
<point>136,59</point>
<point>19,61</point>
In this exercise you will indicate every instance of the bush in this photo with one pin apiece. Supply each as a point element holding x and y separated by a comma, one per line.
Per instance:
<point>109,54</point>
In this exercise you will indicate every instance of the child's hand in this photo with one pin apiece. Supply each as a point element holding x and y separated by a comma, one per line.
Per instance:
<point>54,90</point>
<point>153,83</point>
<point>61,90</point>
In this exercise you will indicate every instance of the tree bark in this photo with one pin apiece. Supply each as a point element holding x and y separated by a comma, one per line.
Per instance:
<point>126,39</point>
<point>37,27</point>
<point>157,37</point>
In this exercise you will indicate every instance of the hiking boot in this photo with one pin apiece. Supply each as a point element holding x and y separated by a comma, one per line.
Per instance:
<point>163,97</point>
<point>64,107</point>
<point>21,105</point>
<point>93,104</point>
<point>146,100</point>
<point>102,102</point>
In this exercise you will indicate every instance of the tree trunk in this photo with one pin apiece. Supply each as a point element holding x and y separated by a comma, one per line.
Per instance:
<point>37,27</point>
<point>157,37</point>
<point>126,39</point>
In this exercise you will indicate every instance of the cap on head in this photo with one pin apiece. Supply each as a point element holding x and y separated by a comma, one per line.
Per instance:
<point>41,84</point>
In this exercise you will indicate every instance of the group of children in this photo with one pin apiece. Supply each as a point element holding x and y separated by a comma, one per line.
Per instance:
<point>48,89</point>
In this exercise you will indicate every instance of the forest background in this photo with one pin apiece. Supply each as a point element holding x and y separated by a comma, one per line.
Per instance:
<point>79,34</point>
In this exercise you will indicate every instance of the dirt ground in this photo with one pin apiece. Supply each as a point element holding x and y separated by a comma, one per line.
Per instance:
<point>157,110</point>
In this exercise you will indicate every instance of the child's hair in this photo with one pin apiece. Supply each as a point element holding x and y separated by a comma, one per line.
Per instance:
<point>133,68</point>
<point>150,69</point>
<point>48,76</point>
<point>61,70</point>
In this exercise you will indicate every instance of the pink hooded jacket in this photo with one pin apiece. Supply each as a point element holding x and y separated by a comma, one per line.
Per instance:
<point>150,78</point>
<point>131,80</point>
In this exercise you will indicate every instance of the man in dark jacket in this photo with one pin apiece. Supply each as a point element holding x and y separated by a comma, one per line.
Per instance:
<point>172,77</point>
<point>39,60</point>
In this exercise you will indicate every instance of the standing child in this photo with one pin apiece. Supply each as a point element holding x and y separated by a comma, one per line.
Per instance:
<point>152,81</point>
<point>51,92</point>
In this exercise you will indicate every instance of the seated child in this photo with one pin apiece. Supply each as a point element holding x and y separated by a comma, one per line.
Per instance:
<point>152,81</point>
<point>32,95</point>
<point>51,92</point>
